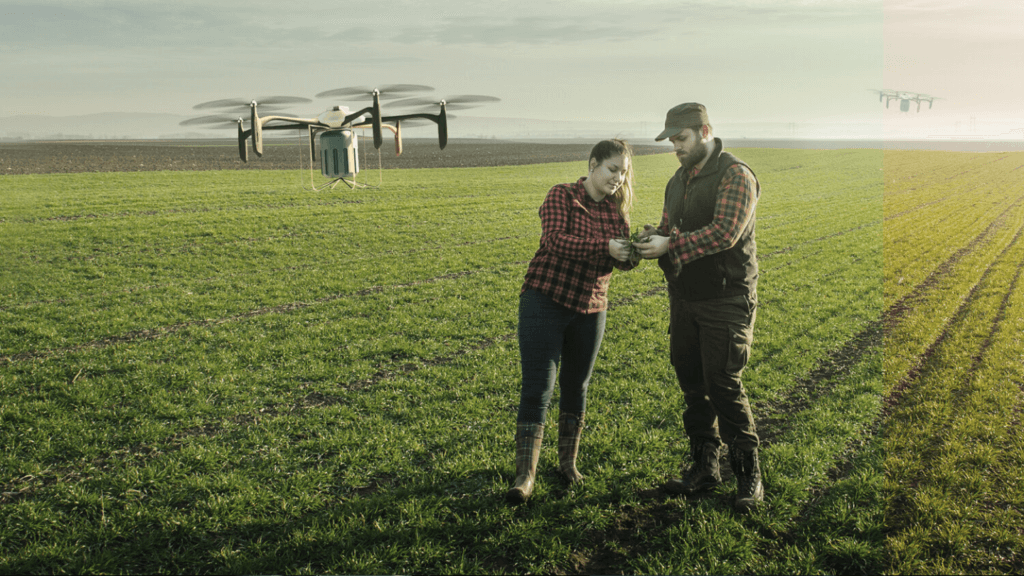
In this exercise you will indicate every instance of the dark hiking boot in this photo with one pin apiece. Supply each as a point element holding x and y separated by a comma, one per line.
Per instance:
<point>570,428</point>
<point>703,473</point>
<point>528,442</point>
<point>747,468</point>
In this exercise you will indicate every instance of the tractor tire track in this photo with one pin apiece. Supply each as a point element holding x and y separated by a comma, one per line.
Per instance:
<point>962,175</point>
<point>900,511</point>
<point>659,513</point>
<point>196,210</point>
<point>895,395</point>
<point>67,470</point>
<point>26,486</point>
<point>997,323</point>
<point>816,384</point>
<point>794,247</point>
<point>801,397</point>
<point>159,332</point>
<point>932,203</point>
<point>899,309</point>
<point>134,289</point>
<point>961,391</point>
<point>162,331</point>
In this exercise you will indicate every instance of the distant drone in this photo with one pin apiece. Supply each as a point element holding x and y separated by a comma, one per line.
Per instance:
<point>905,98</point>
<point>332,130</point>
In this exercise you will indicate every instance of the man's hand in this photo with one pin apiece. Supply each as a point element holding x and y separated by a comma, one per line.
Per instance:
<point>648,231</point>
<point>618,249</point>
<point>655,246</point>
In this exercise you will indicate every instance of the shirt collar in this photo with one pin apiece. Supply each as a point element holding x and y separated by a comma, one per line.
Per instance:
<point>580,192</point>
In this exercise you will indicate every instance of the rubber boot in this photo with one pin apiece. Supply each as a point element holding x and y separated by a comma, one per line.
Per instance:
<point>703,474</point>
<point>747,468</point>
<point>528,442</point>
<point>570,428</point>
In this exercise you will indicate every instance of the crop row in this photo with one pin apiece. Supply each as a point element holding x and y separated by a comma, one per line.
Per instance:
<point>920,241</point>
<point>954,380</point>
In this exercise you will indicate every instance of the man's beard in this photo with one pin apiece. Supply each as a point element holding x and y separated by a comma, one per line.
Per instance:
<point>694,156</point>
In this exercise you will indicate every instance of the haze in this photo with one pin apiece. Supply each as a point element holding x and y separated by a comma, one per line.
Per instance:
<point>792,68</point>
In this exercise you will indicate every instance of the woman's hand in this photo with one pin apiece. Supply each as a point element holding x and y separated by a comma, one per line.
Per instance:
<point>618,249</point>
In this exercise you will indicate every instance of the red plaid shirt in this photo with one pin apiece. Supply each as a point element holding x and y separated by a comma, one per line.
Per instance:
<point>737,198</point>
<point>572,265</point>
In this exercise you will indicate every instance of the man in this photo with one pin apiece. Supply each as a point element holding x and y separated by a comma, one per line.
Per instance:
<point>705,246</point>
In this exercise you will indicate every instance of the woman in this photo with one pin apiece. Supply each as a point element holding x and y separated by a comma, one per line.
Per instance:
<point>563,303</point>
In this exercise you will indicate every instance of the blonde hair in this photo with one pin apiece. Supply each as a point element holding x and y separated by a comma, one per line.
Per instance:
<point>605,149</point>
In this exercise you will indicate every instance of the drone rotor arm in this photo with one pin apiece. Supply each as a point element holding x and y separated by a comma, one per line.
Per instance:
<point>411,116</point>
<point>294,122</point>
<point>243,152</point>
<point>442,128</point>
<point>378,137</point>
<point>257,130</point>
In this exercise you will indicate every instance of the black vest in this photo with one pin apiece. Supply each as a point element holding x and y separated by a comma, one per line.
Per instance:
<point>691,206</point>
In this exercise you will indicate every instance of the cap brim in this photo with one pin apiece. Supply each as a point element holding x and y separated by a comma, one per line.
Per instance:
<point>668,133</point>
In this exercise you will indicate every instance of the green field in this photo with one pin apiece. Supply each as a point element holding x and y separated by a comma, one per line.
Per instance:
<point>222,372</point>
<point>954,362</point>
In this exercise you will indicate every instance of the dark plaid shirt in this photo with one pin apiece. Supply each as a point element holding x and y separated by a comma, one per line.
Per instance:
<point>572,265</point>
<point>737,197</point>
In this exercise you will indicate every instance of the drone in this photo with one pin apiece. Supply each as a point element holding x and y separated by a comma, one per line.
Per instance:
<point>905,98</point>
<point>331,132</point>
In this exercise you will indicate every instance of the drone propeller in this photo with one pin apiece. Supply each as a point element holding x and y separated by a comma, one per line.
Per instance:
<point>386,92</point>
<point>240,104</point>
<point>417,122</point>
<point>452,103</point>
<point>214,121</point>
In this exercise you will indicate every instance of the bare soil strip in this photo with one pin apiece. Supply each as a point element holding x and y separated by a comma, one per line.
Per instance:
<point>280,154</point>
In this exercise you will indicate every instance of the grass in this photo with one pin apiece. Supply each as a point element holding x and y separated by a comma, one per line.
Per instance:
<point>954,502</point>
<point>221,372</point>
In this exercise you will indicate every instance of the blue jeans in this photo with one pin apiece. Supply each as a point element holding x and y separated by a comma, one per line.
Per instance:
<point>551,334</point>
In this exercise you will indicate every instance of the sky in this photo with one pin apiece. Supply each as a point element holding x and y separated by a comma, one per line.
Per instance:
<point>793,67</point>
<point>970,54</point>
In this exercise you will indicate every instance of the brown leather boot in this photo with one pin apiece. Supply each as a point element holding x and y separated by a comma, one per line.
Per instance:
<point>528,442</point>
<point>570,428</point>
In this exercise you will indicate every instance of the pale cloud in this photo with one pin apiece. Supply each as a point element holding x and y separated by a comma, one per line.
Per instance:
<point>598,59</point>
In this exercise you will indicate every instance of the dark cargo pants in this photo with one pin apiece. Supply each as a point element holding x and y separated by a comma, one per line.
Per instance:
<point>709,346</point>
